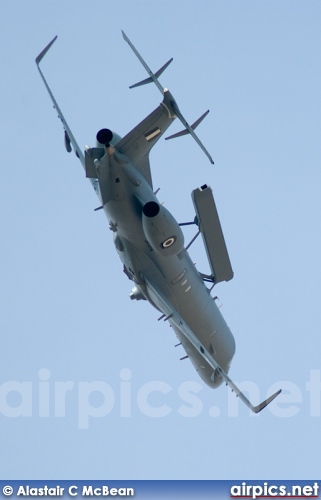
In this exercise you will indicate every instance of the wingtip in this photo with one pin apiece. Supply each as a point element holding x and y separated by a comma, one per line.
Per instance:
<point>263,405</point>
<point>45,50</point>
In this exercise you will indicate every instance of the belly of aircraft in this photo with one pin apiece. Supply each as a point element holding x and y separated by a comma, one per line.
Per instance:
<point>191,299</point>
<point>176,279</point>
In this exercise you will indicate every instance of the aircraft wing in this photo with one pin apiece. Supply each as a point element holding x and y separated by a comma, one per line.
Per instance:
<point>174,317</point>
<point>70,141</point>
<point>137,144</point>
<point>69,138</point>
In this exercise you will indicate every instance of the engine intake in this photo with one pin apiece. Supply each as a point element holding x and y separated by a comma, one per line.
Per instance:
<point>161,229</point>
<point>151,209</point>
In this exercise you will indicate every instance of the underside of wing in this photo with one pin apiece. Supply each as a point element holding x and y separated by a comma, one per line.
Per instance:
<point>68,135</point>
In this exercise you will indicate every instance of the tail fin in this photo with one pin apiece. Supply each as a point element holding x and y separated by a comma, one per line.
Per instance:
<point>153,77</point>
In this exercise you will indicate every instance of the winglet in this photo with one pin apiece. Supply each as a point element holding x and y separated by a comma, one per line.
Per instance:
<point>45,50</point>
<point>261,406</point>
<point>238,392</point>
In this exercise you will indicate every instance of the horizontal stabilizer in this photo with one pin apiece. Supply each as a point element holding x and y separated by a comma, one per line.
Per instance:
<point>186,131</point>
<point>150,79</point>
<point>213,238</point>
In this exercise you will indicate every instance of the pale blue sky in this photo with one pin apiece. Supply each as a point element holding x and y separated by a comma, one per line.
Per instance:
<point>65,304</point>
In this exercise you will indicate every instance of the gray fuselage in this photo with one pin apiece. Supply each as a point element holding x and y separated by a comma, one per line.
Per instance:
<point>125,192</point>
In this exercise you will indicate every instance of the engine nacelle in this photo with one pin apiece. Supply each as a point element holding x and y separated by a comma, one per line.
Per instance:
<point>161,229</point>
<point>106,136</point>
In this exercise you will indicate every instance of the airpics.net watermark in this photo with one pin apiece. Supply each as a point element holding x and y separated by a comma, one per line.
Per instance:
<point>154,399</point>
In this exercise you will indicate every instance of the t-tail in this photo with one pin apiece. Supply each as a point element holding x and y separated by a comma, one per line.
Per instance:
<point>153,77</point>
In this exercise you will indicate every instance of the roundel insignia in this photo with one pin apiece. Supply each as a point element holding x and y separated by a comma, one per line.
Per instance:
<point>169,242</point>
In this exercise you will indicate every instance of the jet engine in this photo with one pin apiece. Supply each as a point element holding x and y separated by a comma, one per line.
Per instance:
<point>161,229</point>
<point>106,136</point>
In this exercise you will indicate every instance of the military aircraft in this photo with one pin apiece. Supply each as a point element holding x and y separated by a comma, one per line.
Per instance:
<point>149,241</point>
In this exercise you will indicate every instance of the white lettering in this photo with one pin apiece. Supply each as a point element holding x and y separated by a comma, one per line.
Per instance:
<point>87,491</point>
<point>21,491</point>
<point>45,491</point>
<point>72,491</point>
<point>236,491</point>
